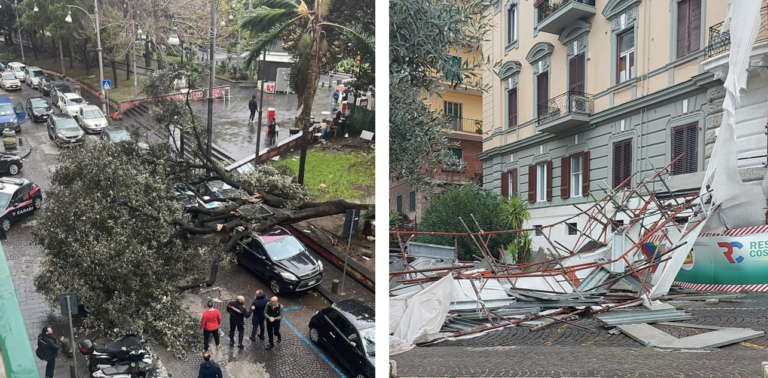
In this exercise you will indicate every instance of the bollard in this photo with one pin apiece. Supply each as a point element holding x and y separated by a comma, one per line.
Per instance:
<point>72,371</point>
<point>335,286</point>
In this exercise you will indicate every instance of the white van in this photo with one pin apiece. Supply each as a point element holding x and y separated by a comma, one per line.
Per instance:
<point>18,70</point>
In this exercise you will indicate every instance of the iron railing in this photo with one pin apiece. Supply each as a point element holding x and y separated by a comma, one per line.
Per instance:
<point>466,125</point>
<point>719,40</point>
<point>546,8</point>
<point>568,103</point>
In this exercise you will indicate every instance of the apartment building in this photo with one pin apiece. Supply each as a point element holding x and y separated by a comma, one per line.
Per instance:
<point>462,104</point>
<point>590,92</point>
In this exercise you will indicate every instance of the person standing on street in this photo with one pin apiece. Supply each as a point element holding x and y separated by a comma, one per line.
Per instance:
<point>47,349</point>
<point>237,314</point>
<point>209,369</point>
<point>274,314</point>
<point>257,307</point>
<point>3,235</point>
<point>272,132</point>
<point>210,325</point>
<point>253,107</point>
<point>335,98</point>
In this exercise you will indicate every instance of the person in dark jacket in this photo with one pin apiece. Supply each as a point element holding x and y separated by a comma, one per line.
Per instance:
<point>47,349</point>
<point>3,235</point>
<point>272,132</point>
<point>335,99</point>
<point>273,312</point>
<point>257,307</point>
<point>237,314</point>
<point>209,369</point>
<point>252,107</point>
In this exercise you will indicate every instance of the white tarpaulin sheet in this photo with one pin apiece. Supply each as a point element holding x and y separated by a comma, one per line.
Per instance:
<point>420,316</point>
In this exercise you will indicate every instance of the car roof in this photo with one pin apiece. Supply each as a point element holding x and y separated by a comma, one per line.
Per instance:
<point>10,185</point>
<point>71,95</point>
<point>115,129</point>
<point>15,64</point>
<point>5,100</point>
<point>60,116</point>
<point>358,313</point>
<point>38,98</point>
<point>89,107</point>
<point>34,68</point>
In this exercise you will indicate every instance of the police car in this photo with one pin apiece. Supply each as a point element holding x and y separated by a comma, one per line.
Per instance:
<point>19,198</point>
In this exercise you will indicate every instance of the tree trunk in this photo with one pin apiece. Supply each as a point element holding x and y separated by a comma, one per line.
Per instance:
<point>160,57</point>
<point>33,40</point>
<point>114,73</point>
<point>307,99</point>
<point>54,53</point>
<point>127,66</point>
<point>85,58</point>
<point>147,55</point>
<point>69,54</point>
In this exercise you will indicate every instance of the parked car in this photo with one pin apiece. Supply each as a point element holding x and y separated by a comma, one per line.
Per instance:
<point>115,134</point>
<point>4,64</point>
<point>280,259</point>
<point>64,130</point>
<point>58,90</point>
<point>9,81</point>
<point>46,83</point>
<point>348,330</point>
<point>91,119</point>
<point>17,69</point>
<point>38,108</point>
<point>70,103</point>
<point>33,75</point>
<point>11,116</point>
<point>10,163</point>
<point>19,198</point>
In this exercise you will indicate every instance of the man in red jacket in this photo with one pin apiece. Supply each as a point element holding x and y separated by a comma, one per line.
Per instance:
<point>210,325</point>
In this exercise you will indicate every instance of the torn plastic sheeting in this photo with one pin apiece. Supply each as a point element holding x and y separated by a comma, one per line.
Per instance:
<point>423,313</point>
<point>666,275</point>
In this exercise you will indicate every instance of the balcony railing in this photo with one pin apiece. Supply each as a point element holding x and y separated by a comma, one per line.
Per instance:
<point>467,125</point>
<point>719,40</point>
<point>546,8</point>
<point>568,103</point>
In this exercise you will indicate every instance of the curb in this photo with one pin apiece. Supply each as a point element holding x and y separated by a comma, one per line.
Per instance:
<point>329,295</point>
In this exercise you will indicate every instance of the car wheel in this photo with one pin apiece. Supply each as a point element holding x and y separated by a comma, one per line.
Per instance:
<point>38,203</point>
<point>13,169</point>
<point>314,335</point>
<point>5,223</point>
<point>360,375</point>
<point>275,286</point>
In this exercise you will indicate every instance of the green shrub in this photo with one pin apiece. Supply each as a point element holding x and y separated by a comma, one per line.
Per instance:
<point>361,119</point>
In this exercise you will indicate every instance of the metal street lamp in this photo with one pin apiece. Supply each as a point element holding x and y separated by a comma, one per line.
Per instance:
<point>21,42</point>
<point>95,17</point>
<point>36,9</point>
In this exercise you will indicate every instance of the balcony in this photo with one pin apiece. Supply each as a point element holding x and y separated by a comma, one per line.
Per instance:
<point>719,40</point>
<point>554,15</point>
<point>564,112</point>
<point>465,125</point>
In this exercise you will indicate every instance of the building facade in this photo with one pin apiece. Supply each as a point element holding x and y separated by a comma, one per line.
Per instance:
<point>590,92</point>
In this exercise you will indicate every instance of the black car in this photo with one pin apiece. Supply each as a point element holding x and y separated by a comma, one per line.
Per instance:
<point>11,164</point>
<point>46,84</point>
<point>348,330</point>
<point>19,198</point>
<point>280,259</point>
<point>38,108</point>
<point>58,89</point>
<point>64,130</point>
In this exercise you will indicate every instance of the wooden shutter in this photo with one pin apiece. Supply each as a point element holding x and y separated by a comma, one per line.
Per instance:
<point>678,147</point>
<point>694,22</point>
<point>622,162</point>
<point>532,183</point>
<point>505,184</point>
<point>512,106</point>
<point>576,74</point>
<point>683,7</point>
<point>513,189</point>
<point>685,140</point>
<point>542,93</point>
<point>585,174</point>
<point>549,180</point>
<point>565,177</point>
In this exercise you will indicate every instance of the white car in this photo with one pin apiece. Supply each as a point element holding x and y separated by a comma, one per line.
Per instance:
<point>91,119</point>
<point>9,81</point>
<point>33,75</point>
<point>70,103</point>
<point>18,70</point>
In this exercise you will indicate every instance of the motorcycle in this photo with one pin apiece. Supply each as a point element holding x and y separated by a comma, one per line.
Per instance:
<point>145,368</point>
<point>129,350</point>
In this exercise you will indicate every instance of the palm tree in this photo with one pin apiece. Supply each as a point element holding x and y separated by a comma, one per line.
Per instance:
<point>272,20</point>
<point>515,209</point>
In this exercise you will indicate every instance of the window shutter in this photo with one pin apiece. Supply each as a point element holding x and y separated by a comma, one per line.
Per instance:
<point>691,144</point>
<point>576,74</point>
<point>694,37</point>
<point>505,184</point>
<point>627,164</point>
<point>565,177</point>
<point>622,162</point>
<point>683,8</point>
<point>512,106</point>
<point>513,189</point>
<point>549,180</point>
<point>532,183</point>
<point>678,147</point>
<point>542,93</point>
<point>585,174</point>
<point>616,164</point>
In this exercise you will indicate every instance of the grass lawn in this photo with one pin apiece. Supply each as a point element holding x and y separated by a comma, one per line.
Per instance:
<point>348,175</point>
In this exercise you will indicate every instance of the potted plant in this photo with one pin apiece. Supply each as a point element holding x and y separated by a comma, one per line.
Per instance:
<point>9,139</point>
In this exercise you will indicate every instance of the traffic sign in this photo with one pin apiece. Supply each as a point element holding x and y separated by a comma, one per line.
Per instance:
<point>106,84</point>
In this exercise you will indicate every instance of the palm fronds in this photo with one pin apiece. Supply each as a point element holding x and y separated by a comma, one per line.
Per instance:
<point>260,20</point>
<point>265,40</point>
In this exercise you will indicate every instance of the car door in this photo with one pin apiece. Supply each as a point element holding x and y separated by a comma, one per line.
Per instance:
<point>24,200</point>
<point>262,263</point>
<point>21,115</point>
<point>339,344</point>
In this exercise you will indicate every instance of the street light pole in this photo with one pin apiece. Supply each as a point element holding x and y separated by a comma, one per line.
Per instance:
<point>210,80</point>
<point>261,108</point>
<point>135,80</point>
<point>101,59</point>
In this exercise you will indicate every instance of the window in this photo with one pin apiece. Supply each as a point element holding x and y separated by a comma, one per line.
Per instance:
<point>538,231</point>
<point>688,27</point>
<point>511,25</point>
<point>541,182</point>
<point>576,75</point>
<point>622,162</point>
<point>685,140</point>
<point>452,72</point>
<point>509,183</point>
<point>399,204</point>
<point>412,201</point>
<point>455,113</point>
<point>572,228</point>
<point>455,167</point>
<point>542,94</point>
<point>512,107</point>
<point>626,64</point>
<point>574,175</point>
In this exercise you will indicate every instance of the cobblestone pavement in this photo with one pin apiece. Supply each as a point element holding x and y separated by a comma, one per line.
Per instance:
<point>562,350</point>
<point>295,357</point>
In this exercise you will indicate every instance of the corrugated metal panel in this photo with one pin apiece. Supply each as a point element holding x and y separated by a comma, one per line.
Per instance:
<point>431,251</point>
<point>629,317</point>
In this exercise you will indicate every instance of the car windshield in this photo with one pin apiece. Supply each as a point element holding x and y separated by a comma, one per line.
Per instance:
<point>66,124</point>
<point>369,340</point>
<point>76,100</point>
<point>46,79</point>
<point>36,73</point>
<point>5,199</point>
<point>91,114</point>
<point>64,89</point>
<point>6,109</point>
<point>119,136</point>
<point>9,76</point>
<point>282,247</point>
<point>18,69</point>
<point>39,103</point>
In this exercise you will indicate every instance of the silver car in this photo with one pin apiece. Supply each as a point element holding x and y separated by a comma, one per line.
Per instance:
<point>91,119</point>
<point>9,81</point>
<point>33,75</point>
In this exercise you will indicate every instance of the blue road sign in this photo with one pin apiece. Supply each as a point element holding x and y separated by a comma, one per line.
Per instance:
<point>106,84</point>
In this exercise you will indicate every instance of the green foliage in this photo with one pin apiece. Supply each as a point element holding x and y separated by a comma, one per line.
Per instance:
<point>345,66</point>
<point>10,55</point>
<point>394,219</point>
<point>361,119</point>
<point>344,174</point>
<point>515,210</point>
<point>464,201</point>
